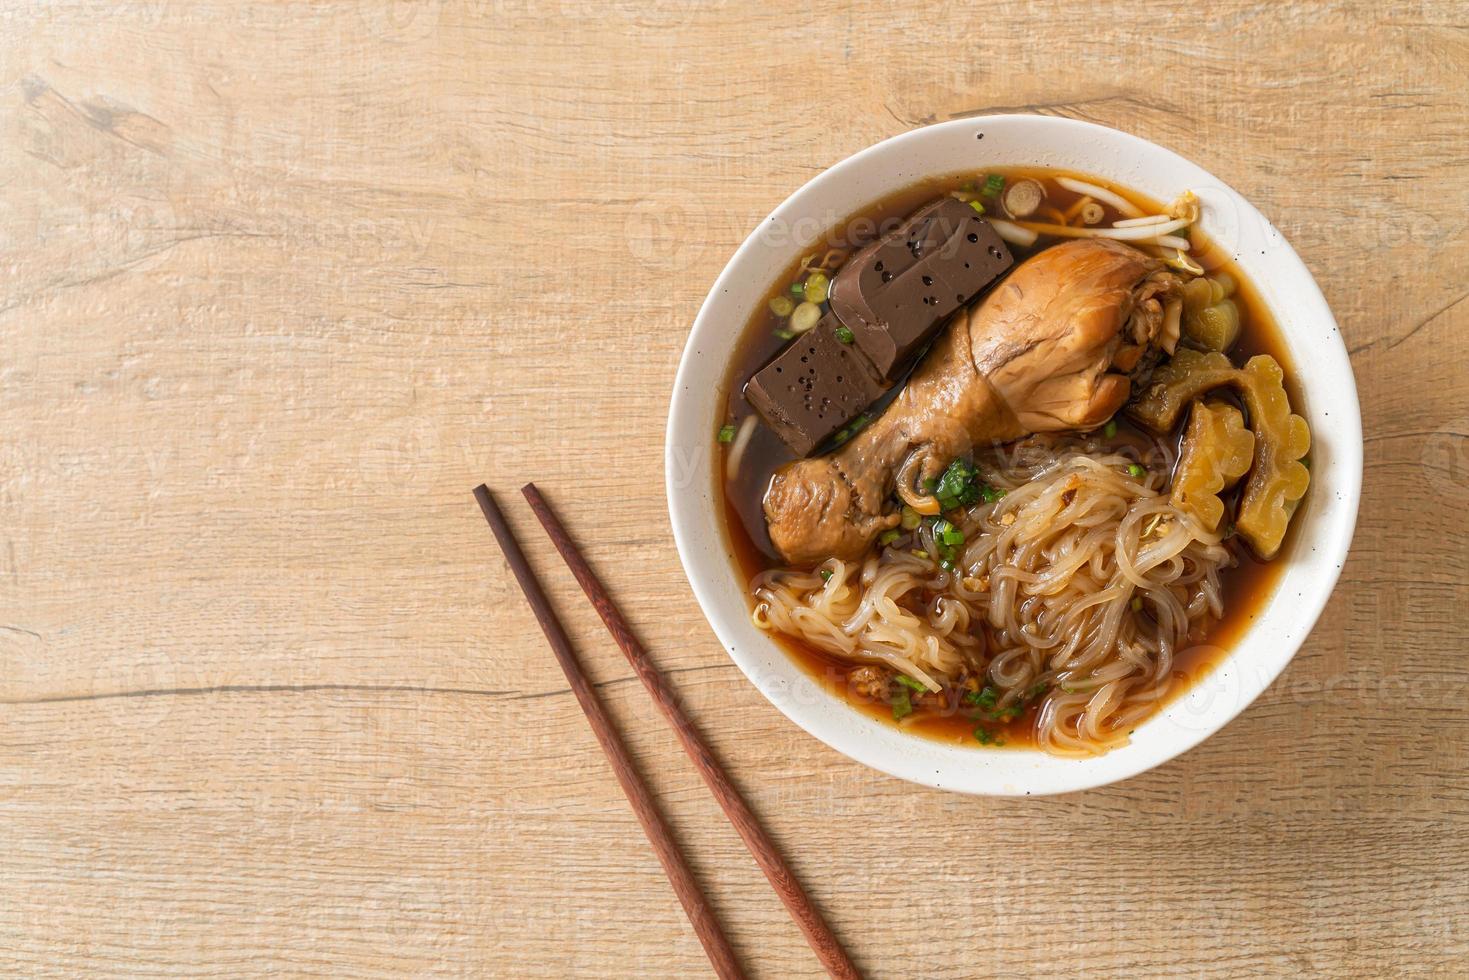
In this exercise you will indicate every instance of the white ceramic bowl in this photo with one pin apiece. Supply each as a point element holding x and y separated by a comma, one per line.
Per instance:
<point>1310,333</point>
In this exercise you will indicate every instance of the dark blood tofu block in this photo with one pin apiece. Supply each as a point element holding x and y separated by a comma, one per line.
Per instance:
<point>814,387</point>
<point>894,293</point>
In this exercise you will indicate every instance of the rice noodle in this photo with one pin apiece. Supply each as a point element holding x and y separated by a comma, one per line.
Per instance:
<point>1042,594</point>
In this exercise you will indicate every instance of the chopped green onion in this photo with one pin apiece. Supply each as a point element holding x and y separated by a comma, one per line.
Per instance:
<point>726,433</point>
<point>911,518</point>
<point>782,306</point>
<point>1110,429</point>
<point>907,681</point>
<point>902,705</point>
<point>1135,471</point>
<point>919,553</point>
<point>817,287</point>
<point>946,537</point>
<point>993,184</point>
<point>977,206</point>
<point>845,335</point>
<point>959,485</point>
<point>798,289</point>
<point>889,536</point>
<point>986,698</point>
<point>784,334</point>
<point>987,737</point>
<point>991,494</point>
<point>826,575</point>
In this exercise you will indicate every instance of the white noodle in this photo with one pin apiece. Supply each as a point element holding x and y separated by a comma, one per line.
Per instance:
<point>916,672</point>
<point>1042,598</point>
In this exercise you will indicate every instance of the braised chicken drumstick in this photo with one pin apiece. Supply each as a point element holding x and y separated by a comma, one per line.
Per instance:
<point>1054,347</point>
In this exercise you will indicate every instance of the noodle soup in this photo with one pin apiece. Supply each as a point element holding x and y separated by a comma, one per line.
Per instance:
<point>1046,591</point>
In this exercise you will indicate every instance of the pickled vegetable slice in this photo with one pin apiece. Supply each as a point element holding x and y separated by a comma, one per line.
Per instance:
<point>1277,480</point>
<point>1189,374</point>
<point>1215,327</point>
<point>1210,317</point>
<point>1217,450</point>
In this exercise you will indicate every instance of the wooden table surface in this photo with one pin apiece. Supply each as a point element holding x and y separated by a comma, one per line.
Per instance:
<point>280,283</point>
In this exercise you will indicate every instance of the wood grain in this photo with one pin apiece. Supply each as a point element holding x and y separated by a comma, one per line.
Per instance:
<point>278,282</point>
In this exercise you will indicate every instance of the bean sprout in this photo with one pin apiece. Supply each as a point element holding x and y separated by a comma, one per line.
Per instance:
<point>1102,194</point>
<point>737,448</point>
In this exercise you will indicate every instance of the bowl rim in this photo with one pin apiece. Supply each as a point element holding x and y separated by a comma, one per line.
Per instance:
<point>884,747</point>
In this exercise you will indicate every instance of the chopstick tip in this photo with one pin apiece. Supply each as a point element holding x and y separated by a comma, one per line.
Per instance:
<point>487,505</point>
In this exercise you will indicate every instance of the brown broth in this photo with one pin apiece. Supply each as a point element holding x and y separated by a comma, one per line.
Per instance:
<point>1246,586</point>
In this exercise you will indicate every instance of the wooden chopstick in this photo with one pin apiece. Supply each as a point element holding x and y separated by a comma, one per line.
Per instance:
<point>695,904</point>
<point>818,934</point>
